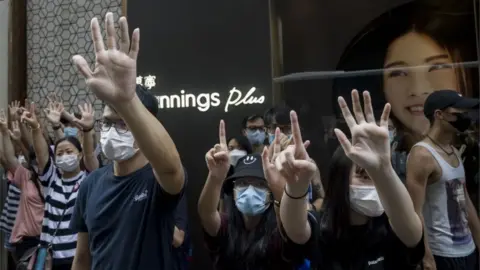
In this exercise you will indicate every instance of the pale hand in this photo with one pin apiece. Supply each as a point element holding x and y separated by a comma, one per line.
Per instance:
<point>54,112</point>
<point>294,164</point>
<point>370,147</point>
<point>30,117</point>
<point>13,109</point>
<point>3,121</point>
<point>114,78</point>
<point>217,158</point>
<point>88,117</point>
<point>15,133</point>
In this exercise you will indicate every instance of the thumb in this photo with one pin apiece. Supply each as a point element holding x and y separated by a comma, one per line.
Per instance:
<point>306,144</point>
<point>303,165</point>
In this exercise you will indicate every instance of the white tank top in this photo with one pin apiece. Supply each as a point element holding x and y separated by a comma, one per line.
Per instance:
<point>445,212</point>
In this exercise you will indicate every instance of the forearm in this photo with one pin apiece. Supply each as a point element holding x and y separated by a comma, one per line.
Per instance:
<point>208,203</point>
<point>58,133</point>
<point>155,143</point>
<point>9,152</point>
<point>81,262</point>
<point>40,147</point>
<point>89,158</point>
<point>26,135</point>
<point>294,216</point>
<point>398,205</point>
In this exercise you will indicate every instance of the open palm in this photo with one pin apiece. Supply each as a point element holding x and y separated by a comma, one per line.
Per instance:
<point>369,147</point>
<point>113,79</point>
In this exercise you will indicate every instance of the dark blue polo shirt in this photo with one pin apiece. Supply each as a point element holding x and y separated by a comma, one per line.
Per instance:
<point>129,220</point>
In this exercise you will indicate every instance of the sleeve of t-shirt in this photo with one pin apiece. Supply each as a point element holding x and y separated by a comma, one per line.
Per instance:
<point>48,173</point>
<point>404,256</point>
<point>20,175</point>
<point>181,214</point>
<point>169,200</point>
<point>77,222</point>
<point>216,243</point>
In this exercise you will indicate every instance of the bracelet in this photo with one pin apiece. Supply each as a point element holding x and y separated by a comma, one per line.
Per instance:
<point>88,130</point>
<point>292,197</point>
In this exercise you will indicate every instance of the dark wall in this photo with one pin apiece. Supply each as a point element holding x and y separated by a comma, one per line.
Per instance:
<point>203,47</point>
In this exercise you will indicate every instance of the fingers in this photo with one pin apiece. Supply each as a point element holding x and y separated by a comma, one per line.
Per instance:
<point>96,36</point>
<point>306,144</point>
<point>82,66</point>
<point>297,135</point>
<point>2,116</point>
<point>209,157</point>
<point>367,105</point>
<point>135,46</point>
<point>357,107</point>
<point>347,115</point>
<point>385,115</point>
<point>265,157</point>
<point>124,35</point>
<point>110,26</point>
<point>221,134</point>
<point>277,148</point>
<point>344,142</point>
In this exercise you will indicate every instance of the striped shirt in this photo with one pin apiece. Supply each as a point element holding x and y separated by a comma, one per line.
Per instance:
<point>10,208</point>
<point>60,194</point>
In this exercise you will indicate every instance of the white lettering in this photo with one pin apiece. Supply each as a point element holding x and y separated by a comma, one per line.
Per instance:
<point>150,81</point>
<point>248,99</point>
<point>379,259</point>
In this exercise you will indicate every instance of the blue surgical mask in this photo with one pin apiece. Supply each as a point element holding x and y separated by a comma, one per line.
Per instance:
<point>256,137</point>
<point>70,131</point>
<point>391,135</point>
<point>271,138</point>
<point>251,201</point>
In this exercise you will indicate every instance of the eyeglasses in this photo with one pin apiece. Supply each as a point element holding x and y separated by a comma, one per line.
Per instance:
<point>253,128</point>
<point>119,126</point>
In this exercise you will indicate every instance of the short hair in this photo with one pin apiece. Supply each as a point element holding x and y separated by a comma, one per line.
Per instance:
<point>148,99</point>
<point>243,142</point>
<point>249,119</point>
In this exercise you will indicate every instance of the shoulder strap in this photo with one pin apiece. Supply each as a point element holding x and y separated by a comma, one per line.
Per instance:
<point>39,190</point>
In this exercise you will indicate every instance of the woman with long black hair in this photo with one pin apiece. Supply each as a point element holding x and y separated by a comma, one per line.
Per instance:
<point>367,220</point>
<point>246,235</point>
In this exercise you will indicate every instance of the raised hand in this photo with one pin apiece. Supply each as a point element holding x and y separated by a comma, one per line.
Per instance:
<point>3,121</point>
<point>30,117</point>
<point>54,112</point>
<point>15,132</point>
<point>294,164</point>
<point>13,110</point>
<point>275,180</point>
<point>114,78</point>
<point>217,157</point>
<point>369,148</point>
<point>88,117</point>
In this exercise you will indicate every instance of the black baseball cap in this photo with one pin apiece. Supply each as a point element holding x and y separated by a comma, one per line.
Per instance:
<point>248,166</point>
<point>442,99</point>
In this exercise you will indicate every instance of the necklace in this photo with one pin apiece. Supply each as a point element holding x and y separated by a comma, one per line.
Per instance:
<point>451,152</point>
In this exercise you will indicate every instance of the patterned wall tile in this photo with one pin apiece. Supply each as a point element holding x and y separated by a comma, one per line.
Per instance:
<point>56,31</point>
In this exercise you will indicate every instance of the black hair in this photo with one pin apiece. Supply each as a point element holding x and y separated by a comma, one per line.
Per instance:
<point>269,116</point>
<point>71,139</point>
<point>280,115</point>
<point>148,100</point>
<point>249,119</point>
<point>243,142</point>
<point>248,247</point>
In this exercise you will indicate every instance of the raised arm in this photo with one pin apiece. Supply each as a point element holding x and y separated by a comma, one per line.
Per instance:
<point>11,161</point>
<point>114,81</point>
<point>87,124</point>
<point>15,112</point>
<point>218,165</point>
<point>370,149</point>
<point>40,145</point>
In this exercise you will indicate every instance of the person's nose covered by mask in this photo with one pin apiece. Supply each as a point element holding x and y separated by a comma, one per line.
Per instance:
<point>252,201</point>
<point>365,200</point>
<point>256,137</point>
<point>462,123</point>
<point>117,145</point>
<point>70,131</point>
<point>67,162</point>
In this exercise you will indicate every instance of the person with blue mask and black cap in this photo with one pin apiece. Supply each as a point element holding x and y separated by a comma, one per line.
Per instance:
<point>246,235</point>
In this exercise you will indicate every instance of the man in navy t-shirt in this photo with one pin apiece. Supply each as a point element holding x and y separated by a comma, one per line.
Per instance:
<point>125,212</point>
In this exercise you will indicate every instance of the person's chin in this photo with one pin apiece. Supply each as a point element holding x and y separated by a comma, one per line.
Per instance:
<point>420,125</point>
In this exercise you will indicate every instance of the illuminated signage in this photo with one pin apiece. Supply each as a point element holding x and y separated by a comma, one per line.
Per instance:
<point>202,101</point>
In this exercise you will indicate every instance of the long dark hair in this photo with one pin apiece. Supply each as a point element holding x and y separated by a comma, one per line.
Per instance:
<point>248,246</point>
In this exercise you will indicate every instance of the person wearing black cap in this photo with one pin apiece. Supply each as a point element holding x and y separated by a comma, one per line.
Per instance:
<point>246,235</point>
<point>436,182</point>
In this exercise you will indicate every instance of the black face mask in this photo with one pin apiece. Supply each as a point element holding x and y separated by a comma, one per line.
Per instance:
<point>462,123</point>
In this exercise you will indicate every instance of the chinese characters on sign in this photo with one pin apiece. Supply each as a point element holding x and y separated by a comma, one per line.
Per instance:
<point>203,101</point>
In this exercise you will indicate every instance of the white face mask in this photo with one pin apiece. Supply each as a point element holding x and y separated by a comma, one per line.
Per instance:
<point>235,155</point>
<point>365,200</point>
<point>117,146</point>
<point>67,163</point>
<point>21,159</point>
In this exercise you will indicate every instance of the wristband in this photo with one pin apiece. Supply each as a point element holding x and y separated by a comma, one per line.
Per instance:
<point>295,198</point>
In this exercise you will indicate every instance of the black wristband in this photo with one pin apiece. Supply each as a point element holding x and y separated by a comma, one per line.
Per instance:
<point>88,130</point>
<point>292,197</point>
<point>57,127</point>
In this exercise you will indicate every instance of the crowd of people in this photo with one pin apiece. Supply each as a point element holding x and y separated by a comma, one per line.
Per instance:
<point>75,202</point>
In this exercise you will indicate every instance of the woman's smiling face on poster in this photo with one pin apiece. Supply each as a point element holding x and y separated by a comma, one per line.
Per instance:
<point>405,87</point>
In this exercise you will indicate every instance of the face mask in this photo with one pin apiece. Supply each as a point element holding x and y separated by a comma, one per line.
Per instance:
<point>235,155</point>
<point>391,135</point>
<point>251,201</point>
<point>70,131</point>
<point>117,146</point>
<point>67,163</point>
<point>256,137</point>
<point>462,123</point>
<point>364,200</point>
<point>271,138</point>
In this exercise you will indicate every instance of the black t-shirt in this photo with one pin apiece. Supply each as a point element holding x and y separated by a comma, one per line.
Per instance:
<point>277,252</point>
<point>373,246</point>
<point>129,220</point>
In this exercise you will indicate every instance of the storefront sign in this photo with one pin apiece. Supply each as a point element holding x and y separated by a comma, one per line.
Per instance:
<point>203,101</point>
